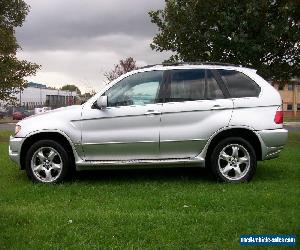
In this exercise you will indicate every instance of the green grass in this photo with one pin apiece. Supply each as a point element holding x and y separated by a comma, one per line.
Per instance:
<point>148,209</point>
<point>292,118</point>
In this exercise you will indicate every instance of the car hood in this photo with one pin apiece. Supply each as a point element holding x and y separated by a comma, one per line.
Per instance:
<point>59,111</point>
<point>53,120</point>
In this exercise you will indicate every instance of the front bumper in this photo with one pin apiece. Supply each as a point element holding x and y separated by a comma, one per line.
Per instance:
<point>14,150</point>
<point>272,142</point>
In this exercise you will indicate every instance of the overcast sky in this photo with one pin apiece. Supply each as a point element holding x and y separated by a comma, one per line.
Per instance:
<point>76,41</point>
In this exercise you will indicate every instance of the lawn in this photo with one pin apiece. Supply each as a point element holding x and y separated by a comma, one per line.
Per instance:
<point>148,209</point>
<point>292,118</point>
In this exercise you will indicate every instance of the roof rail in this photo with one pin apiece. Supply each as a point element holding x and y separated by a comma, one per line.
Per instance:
<point>201,63</point>
<point>149,66</point>
<point>191,63</point>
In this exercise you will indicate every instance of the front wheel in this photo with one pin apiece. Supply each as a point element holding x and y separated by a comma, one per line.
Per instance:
<point>233,160</point>
<point>47,162</point>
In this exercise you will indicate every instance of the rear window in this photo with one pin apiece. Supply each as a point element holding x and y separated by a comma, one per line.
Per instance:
<point>238,84</point>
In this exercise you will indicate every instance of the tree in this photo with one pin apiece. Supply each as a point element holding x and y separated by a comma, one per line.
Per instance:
<point>12,70</point>
<point>70,87</point>
<point>123,67</point>
<point>261,34</point>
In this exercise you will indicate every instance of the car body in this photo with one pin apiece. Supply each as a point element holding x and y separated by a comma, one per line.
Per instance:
<point>224,117</point>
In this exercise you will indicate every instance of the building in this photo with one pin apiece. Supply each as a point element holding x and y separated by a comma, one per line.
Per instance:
<point>38,95</point>
<point>290,95</point>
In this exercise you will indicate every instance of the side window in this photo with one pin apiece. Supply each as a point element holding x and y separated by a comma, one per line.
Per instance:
<point>212,88</point>
<point>193,84</point>
<point>187,85</point>
<point>138,89</point>
<point>238,84</point>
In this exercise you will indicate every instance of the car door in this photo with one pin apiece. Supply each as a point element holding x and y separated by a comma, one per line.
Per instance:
<point>128,129</point>
<point>196,106</point>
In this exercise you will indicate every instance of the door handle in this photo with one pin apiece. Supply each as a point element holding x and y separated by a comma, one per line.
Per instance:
<point>153,112</point>
<point>217,107</point>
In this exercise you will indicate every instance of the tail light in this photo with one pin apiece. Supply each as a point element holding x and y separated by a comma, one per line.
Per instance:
<point>279,116</point>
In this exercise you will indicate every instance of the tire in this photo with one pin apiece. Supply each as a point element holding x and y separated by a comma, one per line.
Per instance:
<point>233,160</point>
<point>48,162</point>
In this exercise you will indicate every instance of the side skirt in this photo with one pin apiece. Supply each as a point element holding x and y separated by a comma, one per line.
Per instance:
<point>186,162</point>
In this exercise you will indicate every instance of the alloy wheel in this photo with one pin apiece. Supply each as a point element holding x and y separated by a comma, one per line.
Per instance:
<point>234,162</point>
<point>46,164</point>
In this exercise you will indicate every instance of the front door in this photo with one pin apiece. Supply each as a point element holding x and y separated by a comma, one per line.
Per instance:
<point>196,105</point>
<point>128,128</point>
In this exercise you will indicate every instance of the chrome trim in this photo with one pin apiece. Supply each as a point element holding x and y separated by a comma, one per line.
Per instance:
<point>182,140</point>
<point>192,111</point>
<point>249,107</point>
<point>116,142</point>
<point>109,117</point>
<point>119,142</point>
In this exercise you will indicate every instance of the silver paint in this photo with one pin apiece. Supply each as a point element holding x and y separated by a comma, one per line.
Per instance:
<point>162,134</point>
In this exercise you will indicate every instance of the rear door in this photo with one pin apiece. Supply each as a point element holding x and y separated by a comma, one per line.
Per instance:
<point>196,104</point>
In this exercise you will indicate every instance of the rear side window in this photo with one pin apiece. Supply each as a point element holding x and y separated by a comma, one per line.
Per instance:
<point>238,84</point>
<point>187,85</point>
<point>191,85</point>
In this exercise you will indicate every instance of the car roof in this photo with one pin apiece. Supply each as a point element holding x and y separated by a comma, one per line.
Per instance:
<point>197,65</point>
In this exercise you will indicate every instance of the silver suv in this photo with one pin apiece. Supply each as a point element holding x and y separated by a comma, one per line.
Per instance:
<point>224,117</point>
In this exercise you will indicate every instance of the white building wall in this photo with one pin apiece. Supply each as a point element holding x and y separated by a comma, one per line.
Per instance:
<point>38,96</point>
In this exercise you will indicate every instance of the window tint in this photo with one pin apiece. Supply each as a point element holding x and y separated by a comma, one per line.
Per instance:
<point>187,85</point>
<point>238,84</point>
<point>290,87</point>
<point>212,88</point>
<point>191,85</point>
<point>137,89</point>
<point>298,107</point>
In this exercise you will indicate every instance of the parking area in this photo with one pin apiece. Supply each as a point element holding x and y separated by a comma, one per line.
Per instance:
<point>7,126</point>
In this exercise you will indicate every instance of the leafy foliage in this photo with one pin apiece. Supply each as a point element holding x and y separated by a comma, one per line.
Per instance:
<point>261,34</point>
<point>71,87</point>
<point>12,70</point>
<point>123,67</point>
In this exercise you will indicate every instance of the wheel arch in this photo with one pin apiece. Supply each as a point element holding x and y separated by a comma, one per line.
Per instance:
<point>243,132</point>
<point>46,135</point>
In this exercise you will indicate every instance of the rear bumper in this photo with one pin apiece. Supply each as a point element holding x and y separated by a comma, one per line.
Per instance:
<point>272,142</point>
<point>14,150</point>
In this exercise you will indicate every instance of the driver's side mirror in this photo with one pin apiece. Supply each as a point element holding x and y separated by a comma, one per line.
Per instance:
<point>102,102</point>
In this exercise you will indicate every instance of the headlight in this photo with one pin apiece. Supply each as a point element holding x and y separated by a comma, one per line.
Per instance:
<point>17,129</point>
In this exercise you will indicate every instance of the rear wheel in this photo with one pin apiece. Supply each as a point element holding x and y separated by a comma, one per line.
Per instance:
<point>47,162</point>
<point>233,160</point>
